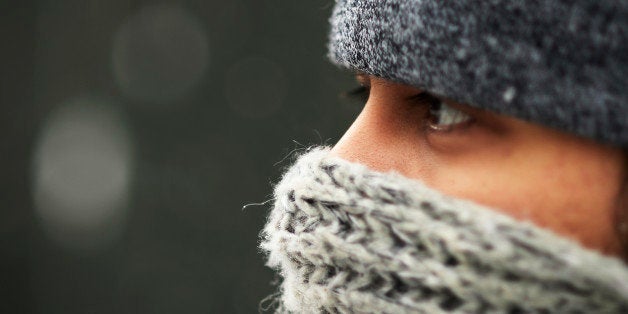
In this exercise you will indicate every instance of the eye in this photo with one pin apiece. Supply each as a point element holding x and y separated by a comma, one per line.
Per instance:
<point>360,94</point>
<point>443,117</point>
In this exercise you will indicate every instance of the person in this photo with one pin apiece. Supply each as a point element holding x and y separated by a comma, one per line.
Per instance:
<point>486,172</point>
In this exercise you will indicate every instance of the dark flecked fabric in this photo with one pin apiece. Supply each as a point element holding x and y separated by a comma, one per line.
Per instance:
<point>557,63</point>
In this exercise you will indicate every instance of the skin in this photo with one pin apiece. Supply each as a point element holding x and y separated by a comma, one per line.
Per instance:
<point>561,182</point>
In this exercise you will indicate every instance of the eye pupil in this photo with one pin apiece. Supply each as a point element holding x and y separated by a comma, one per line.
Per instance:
<point>435,111</point>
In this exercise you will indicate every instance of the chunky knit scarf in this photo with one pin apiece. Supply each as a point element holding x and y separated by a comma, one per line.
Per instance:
<point>347,239</point>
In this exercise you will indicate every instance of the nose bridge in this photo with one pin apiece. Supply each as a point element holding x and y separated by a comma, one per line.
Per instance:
<point>374,141</point>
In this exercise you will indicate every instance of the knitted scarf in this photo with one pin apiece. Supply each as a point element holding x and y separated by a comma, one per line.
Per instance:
<point>347,239</point>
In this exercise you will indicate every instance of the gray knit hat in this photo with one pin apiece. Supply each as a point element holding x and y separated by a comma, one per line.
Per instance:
<point>560,63</point>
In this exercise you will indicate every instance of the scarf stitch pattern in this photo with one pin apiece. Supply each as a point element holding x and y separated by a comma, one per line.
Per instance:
<point>346,239</point>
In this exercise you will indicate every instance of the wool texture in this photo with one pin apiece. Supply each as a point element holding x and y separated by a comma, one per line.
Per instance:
<point>559,63</point>
<point>346,239</point>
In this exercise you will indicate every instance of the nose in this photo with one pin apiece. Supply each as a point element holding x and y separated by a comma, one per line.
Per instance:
<point>380,139</point>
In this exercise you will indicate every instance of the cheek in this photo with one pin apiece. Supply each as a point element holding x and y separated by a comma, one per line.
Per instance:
<point>571,192</point>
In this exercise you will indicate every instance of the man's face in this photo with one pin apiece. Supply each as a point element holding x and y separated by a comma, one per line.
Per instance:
<point>556,180</point>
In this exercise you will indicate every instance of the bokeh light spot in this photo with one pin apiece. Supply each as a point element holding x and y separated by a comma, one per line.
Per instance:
<point>160,53</point>
<point>255,87</point>
<point>81,174</point>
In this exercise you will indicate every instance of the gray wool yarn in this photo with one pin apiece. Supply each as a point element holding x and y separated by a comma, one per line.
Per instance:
<point>559,63</point>
<point>346,239</point>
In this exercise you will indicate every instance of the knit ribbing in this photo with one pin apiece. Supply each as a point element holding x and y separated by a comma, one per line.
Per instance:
<point>559,63</point>
<point>347,239</point>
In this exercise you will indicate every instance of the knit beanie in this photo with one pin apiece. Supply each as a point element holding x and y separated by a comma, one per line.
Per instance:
<point>559,63</point>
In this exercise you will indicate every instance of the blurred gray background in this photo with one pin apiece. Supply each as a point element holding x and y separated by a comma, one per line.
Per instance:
<point>133,133</point>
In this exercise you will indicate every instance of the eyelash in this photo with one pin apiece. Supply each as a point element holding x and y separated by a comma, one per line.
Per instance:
<point>360,93</point>
<point>457,117</point>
